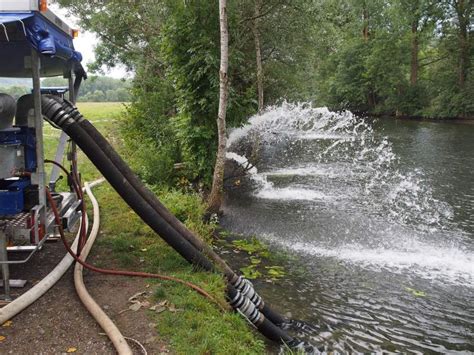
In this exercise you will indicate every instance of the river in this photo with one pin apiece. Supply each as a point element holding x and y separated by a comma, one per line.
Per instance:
<point>378,216</point>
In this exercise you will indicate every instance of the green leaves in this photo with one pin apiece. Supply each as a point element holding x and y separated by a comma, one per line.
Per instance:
<point>275,272</point>
<point>259,260</point>
<point>409,63</point>
<point>415,293</point>
<point>250,272</point>
<point>251,246</point>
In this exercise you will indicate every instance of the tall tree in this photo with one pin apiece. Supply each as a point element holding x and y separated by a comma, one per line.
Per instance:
<point>414,42</point>
<point>420,16</point>
<point>366,22</point>
<point>452,86</point>
<point>215,198</point>
<point>463,11</point>
<point>258,53</point>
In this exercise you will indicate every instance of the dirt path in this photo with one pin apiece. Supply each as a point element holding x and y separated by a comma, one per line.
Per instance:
<point>58,321</point>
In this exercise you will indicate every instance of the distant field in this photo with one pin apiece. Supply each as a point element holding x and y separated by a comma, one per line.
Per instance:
<point>101,110</point>
<point>104,116</point>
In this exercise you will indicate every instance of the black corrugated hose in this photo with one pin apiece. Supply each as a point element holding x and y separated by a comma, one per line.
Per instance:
<point>243,298</point>
<point>237,281</point>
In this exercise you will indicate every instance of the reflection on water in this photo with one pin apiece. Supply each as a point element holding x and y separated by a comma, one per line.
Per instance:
<point>380,217</point>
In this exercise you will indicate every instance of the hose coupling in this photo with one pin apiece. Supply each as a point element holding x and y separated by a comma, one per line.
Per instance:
<point>245,307</point>
<point>55,113</point>
<point>248,291</point>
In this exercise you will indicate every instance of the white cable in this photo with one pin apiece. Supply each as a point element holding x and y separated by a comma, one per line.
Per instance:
<point>34,293</point>
<point>19,304</point>
<point>94,309</point>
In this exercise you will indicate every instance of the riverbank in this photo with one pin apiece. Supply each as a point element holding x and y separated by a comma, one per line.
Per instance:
<point>171,318</point>
<point>186,321</point>
<point>468,120</point>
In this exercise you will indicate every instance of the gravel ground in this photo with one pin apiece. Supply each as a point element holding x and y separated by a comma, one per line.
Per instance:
<point>58,322</point>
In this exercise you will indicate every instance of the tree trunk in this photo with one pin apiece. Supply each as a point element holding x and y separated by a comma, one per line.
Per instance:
<point>215,198</point>
<point>365,35</point>
<point>463,14</point>
<point>258,55</point>
<point>414,53</point>
<point>371,100</point>
<point>365,29</point>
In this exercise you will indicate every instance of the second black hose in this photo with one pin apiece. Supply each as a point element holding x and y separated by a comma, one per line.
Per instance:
<point>237,281</point>
<point>54,112</point>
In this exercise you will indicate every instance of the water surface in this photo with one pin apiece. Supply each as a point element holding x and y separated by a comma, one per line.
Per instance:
<point>379,216</point>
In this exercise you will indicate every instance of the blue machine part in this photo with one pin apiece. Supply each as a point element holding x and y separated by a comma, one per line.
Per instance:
<point>9,136</point>
<point>28,140</point>
<point>56,90</point>
<point>21,136</point>
<point>18,152</point>
<point>12,200</point>
<point>22,31</point>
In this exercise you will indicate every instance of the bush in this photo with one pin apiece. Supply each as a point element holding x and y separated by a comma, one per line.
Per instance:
<point>150,139</point>
<point>189,208</point>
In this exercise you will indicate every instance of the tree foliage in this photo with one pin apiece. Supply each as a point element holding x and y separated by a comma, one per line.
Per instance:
<point>415,59</point>
<point>398,57</point>
<point>94,89</point>
<point>173,47</point>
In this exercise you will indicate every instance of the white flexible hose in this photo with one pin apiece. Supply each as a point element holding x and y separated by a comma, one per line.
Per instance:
<point>29,297</point>
<point>94,309</point>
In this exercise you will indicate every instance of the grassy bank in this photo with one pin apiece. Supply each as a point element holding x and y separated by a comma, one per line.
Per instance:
<point>190,323</point>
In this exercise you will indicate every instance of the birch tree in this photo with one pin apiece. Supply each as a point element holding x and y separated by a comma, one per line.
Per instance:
<point>215,199</point>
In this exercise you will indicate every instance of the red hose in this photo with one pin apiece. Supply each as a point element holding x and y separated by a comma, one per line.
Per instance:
<point>122,272</point>
<point>80,195</point>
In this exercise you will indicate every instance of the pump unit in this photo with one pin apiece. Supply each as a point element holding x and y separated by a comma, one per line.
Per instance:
<point>34,43</point>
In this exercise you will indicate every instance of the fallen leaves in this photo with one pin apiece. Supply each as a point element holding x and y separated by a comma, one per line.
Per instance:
<point>7,324</point>
<point>139,301</point>
<point>163,306</point>
<point>158,308</point>
<point>135,306</point>
<point>2,338</point>
<point>135,297</point>
<point>71,350</point>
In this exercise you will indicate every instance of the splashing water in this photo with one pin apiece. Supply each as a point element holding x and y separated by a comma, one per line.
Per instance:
<point>355,169</point>
<point>331,188</point>
<point>405,196</point>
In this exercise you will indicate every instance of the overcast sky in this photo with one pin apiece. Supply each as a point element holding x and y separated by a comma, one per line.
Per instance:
<point>85,42</point>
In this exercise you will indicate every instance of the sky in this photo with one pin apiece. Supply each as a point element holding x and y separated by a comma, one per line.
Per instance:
<point>86,42</point>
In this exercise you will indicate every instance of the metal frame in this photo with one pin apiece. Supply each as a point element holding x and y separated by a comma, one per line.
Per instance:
<point>5,267</point>
<point>26,226</point>
<point>40,215</point>
<point>38,178</point>
<point>55,171</point>
<point>38,243</point>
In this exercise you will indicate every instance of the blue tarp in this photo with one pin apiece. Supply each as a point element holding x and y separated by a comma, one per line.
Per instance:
<point>20,32</point>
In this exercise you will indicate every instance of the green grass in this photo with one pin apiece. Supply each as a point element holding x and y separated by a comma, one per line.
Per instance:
<point>199,327</point>
<point>99,111</point>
